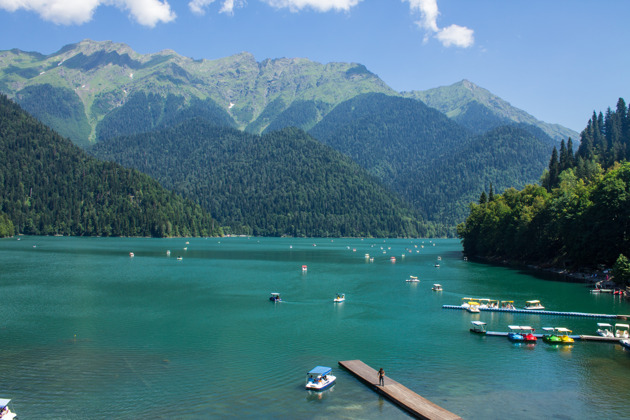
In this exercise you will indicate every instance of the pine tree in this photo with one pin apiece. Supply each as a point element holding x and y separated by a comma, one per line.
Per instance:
<point>491,194</point>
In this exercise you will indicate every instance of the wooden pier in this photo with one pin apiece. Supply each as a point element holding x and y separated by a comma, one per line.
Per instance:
<point>402,396</point>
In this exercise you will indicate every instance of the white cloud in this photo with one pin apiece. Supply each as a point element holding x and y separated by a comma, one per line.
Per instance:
<point>456,35</point>
<point>197,6</point>
<point>69,12</point>
<point>318,5</point>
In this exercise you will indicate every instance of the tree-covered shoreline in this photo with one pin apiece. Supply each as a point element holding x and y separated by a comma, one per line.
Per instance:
<point>579,215</point>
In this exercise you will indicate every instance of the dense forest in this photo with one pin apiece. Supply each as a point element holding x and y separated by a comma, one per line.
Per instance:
<point>579,215</point>
<point>427,158</point>
<point>48,186</point>
<point>280,183</point>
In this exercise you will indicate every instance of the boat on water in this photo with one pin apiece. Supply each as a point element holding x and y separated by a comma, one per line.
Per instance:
<point>340,297</point>
<point>437,287</point>
<point>320,378</point>
<point>437,265</point>
<point>563,334</point>
<point>304,268</point>
<point>473,307</point>
<point>621,330</point>
<point>478,327</point>
<point>275,297</point>
<point>131,254</point>
<point>528,334</point>
<point>625,343</point>
<point>550,337</point>
<point>514,334</point>
<point>605,330</point>
<point>5,411</point>
<point>413,279</point>
<point>534,305</point>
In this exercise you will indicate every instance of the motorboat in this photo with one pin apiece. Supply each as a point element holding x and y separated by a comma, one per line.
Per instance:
<point>131,254</point>
<point>413,279</point>
<point>304,268</point>
<point>528,334</point>
<point>437,287</point>
<point>514,334</point>
<point>478,327</point>
<point>5,411</point>
<point>340,297</point>
<point>550,337</point>
<point>605,330</point>
<point>437,265</point>
<point>534,305</point>
<point>563,334</point>
<point>320,378</point>
<point>621,330</point>
<point>275,297</point>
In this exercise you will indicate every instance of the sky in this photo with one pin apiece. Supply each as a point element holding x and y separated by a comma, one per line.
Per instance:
<point>558,60</point>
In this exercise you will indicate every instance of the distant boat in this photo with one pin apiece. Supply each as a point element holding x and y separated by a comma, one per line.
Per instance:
<point>340,297</point>
<point>437,287</point>
<point>275,297</point>
<point>479,327</point>
<point>605,329</point>
<point>179,258</point>
<point>413,279</point>
<point>304,268</point>
<point>168,252</point>
<point>131,254</point>
<point>534,305</point>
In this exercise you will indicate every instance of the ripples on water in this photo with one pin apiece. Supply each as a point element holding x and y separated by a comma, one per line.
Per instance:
<point>88,332</point>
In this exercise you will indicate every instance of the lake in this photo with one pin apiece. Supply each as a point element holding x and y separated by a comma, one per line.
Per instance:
<point>89,332</point>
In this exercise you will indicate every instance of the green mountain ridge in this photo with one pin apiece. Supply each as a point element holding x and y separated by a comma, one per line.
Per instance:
<point>479,110</point>
<point>273,93</point>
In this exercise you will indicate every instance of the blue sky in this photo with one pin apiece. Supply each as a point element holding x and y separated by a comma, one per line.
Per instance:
<point>559,60</point>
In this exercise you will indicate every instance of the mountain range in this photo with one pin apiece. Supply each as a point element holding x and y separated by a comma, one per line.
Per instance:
<point>418,145</point>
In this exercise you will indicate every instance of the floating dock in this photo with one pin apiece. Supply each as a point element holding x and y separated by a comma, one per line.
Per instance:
<point>402,396</point>
<point>539,312</point>
<point>613,340</point>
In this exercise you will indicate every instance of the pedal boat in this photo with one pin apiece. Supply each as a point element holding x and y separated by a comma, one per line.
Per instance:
<point>605,329</point>
<point>621,330</point>
<point>437,287</point>
<point>514,334</point>
<point>478,327</point>
<point>320,378</point>
<point>413,279</point>
<point>534,305</point>
<point>563,334</point>
<point>340,297</point>
<point>550,337</point>
<point>528,334</point>
<point>275,297</point>
<point>5,412</point>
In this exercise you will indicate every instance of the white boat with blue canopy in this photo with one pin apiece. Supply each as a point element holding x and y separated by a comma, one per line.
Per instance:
<point>5,412</point>
<point>320,378</point>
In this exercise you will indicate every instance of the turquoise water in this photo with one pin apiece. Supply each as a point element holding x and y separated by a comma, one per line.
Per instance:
<point>88,332</point>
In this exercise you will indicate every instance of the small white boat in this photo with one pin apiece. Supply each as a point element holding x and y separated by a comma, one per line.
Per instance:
<point>473,307</point>
<point>437,265</point>
<point>179,258</point>
<point>621,330</point>
<point>340,297</point>
<point>320,378</point>
<point>5,412</point>
<point>534,305</point>
<point>413,279</point>
<point>131,254</point>
<point>437,287</point>
<point>605,330</point>
<point>304,268</point>
<point>479,327</point>
<point>275,297</point>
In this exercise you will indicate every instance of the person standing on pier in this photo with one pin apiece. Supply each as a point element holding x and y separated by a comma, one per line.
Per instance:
<point>381,377</point>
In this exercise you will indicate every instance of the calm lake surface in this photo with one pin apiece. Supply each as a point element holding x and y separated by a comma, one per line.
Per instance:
<point>88,332</point>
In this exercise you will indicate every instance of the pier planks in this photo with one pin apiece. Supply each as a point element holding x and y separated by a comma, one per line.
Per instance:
<point>404,397</point>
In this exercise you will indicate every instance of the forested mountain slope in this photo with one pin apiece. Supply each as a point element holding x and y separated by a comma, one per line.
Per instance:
<point>427,158</point>
<point>50,186</point>
<point>281,183</point>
